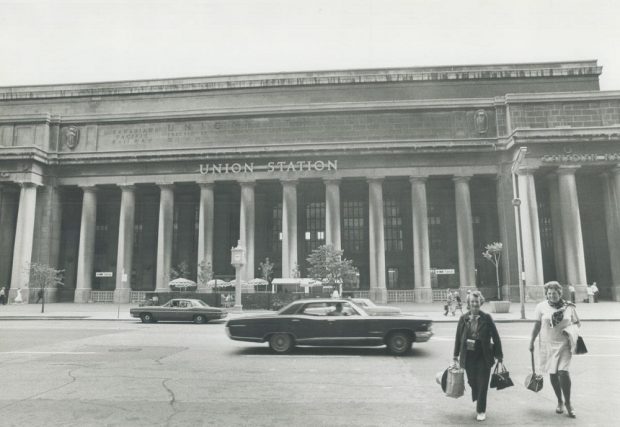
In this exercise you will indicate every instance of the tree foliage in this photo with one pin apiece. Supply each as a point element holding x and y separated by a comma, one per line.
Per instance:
<point>493,254</point>
<point>205,272</point>
<point>42,277</point>
<point>328,266</point>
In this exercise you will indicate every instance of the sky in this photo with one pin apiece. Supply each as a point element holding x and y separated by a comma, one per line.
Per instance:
<point>62,41</point>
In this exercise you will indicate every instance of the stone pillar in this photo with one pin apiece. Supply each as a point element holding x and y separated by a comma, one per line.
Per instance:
<point>86,251</point>
<point>421,251</point>
<point>465,233</point>
<point>376,233</point>
<point>205,225</point>
<point>246,228</point>
<point>124,256</point>
<point>332,213</point>
<point>508,236</point>
<point>571,231</point>
<point>611,184</point>
<point>530,237</point>
<point>164,236</point>
<point>24,236</point>
<point>8,222</point>
<point>556,224</point>
<point>289,227</point>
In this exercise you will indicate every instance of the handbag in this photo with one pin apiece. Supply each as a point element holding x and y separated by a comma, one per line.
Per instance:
<point>501,377</point>
<point>533,381</point>
<point>581,346</point>
<point>455,382</point>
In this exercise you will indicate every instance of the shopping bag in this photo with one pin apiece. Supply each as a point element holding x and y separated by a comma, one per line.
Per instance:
<point>534,381</point>
<point>455,383</point>
<point>500,379</point>
<point>581,346</point>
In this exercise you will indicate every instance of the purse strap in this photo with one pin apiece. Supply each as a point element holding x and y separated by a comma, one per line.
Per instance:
<point>533,367</point>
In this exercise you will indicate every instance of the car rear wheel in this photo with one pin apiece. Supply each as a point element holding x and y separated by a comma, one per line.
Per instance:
<point>146,318</point>
<point>399,343</point>
<point>200,318</point>
<point>281,343</point>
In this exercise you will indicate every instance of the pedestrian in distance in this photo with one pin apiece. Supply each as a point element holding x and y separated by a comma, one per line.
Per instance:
<point>448,305</point>
<point>571,291</point>
<point>39,296</point>
<point>476,347</point>
<point>553,316</point>
<point>18,297</point>
<point>3,296</point>
<point>458,303</point>
<point>595,291</point>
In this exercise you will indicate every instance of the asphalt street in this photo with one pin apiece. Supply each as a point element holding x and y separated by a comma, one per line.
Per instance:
<point>107,373</point>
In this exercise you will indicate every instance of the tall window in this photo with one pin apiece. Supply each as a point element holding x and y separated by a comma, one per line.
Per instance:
<point>393,225</point>
<point>276,229</point>
<point>353,230</point>
<point>314,235</point>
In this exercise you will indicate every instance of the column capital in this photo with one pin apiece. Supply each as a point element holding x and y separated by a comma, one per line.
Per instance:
<point>28,184</point>
<point>247,183</point>
<point>417,179</point>
<point>375,179</point>
<point>127,187</point>
<point>567,169</point>
<point>526,171</point>
<point>206,185</point>
<point>289,182</point>
<point>165,185</point>
<point>88,188</point>
<point>332,181</point>
<point>461,178</point>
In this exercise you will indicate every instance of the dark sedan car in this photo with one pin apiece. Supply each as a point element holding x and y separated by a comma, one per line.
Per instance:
<point>330,322</point>
<point>179,310</point>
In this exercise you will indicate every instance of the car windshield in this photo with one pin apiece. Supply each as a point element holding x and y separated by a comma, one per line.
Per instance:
<point>200,303</point>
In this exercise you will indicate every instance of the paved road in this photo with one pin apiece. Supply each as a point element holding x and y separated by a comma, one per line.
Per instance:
<point>105,373</point>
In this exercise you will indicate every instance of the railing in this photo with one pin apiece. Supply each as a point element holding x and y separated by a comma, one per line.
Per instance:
<point>102,296</point>
<point>360,294</point>
<point>137,296</point>
<point>402,295</point>
<point>440,294</point>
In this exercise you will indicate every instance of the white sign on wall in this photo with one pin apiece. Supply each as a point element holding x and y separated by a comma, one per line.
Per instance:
<point>103,274</point>
<point>442,270</point>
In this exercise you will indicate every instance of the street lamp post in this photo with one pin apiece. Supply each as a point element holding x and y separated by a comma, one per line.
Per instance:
<point>237,259</point>
<point>516,203</point>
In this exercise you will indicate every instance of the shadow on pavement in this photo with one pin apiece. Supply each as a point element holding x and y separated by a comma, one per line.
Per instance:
<point>304,351</point>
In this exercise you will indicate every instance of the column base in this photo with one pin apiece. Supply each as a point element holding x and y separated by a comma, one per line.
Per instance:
<point>423,295</point>
<point>378,295</point>
<point>81,296</point>
<point>236,309</point>
<point>581,293</point>
<point>534,293</point>
<point>615,292</point>
<point>121,296</point>
<point>511,293</point>
<point>12,293</point>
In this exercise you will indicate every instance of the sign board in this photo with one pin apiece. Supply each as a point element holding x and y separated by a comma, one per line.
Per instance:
<point>442,270</point>
<point>103,274</point>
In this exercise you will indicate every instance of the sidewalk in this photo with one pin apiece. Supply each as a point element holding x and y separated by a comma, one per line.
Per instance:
<point>603,311</point>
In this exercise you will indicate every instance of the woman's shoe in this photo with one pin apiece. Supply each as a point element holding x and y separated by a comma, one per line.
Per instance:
<point>570,411</point>
<point>481,416</point>
<point>560,408</point>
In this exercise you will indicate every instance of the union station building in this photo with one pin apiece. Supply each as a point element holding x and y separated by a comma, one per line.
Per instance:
<point>411,172</point>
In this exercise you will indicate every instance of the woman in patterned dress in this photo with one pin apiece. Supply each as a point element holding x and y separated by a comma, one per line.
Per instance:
<point>552,317</point>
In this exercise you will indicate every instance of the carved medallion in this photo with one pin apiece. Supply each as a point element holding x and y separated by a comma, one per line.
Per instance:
<point>71,136</point>
<point>481,121</point>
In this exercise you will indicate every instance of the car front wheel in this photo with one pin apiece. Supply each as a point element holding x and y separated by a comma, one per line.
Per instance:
<point>281,343</point>
<point>199,318</point>
<point>146,317</point>
<point>399,343</point>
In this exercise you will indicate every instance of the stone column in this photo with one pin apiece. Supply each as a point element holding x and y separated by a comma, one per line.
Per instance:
<point>24,236</point>
<point>332,213</point>
<point>8,222</point>
<point>86,251</point>
<point>124,255</point>
<point>376,233</point>
<point>289,227</point>
<point>246,227</point>
<point>556,224</point>
<point>465,233</point>
<point>164,236</point>
<point>571,231</point>
<point>421,251</point>
<point>205,225</point>
<point>530,236</point>
<point>611,185</point>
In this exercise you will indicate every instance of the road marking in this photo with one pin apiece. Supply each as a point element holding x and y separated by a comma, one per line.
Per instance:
<point>49,352</point>
<point>280,356</point>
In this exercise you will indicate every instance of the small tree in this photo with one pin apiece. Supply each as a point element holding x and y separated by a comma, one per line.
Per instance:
<point>327,265</point>
<point>266,271</point>
<point>205,272</point>
<point>295,273</point>
<point>44,277</point>
<point>493,253</point>
<point>180,271</point>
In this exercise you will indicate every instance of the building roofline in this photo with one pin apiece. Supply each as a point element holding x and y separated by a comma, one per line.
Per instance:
<point>307,78</point>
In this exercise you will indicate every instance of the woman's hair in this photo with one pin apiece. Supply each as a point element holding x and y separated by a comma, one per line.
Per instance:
<point>553,285</point>
<point>475,294</point>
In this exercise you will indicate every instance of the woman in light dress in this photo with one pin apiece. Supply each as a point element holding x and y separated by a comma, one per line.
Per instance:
<point>553,316</point>
<point>18,298</point>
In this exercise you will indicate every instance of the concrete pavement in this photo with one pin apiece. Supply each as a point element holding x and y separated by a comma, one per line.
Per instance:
<point>603,311</point>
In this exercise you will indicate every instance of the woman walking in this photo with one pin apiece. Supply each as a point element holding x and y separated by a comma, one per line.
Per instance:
<point>474,334</point>
<point>552,317</point>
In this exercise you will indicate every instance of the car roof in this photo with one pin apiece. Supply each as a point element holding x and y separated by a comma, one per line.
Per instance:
<point>324,300</point>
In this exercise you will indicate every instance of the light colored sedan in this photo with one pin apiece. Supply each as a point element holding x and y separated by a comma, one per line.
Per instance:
<point>376,310</point>
<point>179,310</point>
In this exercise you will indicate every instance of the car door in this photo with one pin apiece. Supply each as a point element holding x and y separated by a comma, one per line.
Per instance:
<point>311,324</point>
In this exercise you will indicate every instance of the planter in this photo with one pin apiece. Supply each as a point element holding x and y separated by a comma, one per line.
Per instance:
<point>500,306</point>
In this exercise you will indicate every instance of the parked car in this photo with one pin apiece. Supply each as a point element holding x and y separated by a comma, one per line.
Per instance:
<point>376,310</point>
<point>330,322</point>
<point>179,310</point>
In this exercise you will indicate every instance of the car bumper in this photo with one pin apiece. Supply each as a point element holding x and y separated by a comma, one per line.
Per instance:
<point>423,336</point>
